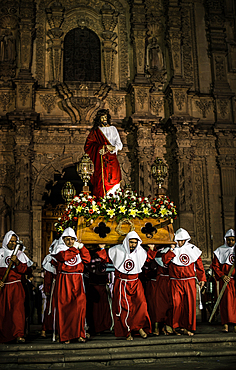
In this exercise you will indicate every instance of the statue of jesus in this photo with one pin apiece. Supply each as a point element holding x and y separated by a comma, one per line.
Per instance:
<point>102,145</point>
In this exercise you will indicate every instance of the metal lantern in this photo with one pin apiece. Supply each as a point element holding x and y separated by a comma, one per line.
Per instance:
<point>68,191</point>
<point>159,171</point>
<point>85,169</point>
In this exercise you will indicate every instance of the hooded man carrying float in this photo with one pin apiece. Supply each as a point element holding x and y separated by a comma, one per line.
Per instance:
<point>12,294</point>
<point>70,296</point>
<point>129,304</point>
<point>224,258</point>
<point>184,260</point>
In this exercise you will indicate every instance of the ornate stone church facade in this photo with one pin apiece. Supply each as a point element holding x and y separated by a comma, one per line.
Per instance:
<point>165,69</point>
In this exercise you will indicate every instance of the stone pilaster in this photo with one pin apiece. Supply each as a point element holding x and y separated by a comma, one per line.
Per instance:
<point>55,17</point>
<point>23,153</point>
<point>138,22</point>
<point>225,143</point>
<point>144,158</point>
<point>218,52</point>
<point>109,22</point>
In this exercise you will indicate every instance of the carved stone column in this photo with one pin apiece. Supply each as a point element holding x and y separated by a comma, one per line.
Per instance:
<point>144,157</point>
<point>184,157</point>
<point>109,22</point>
<point>25,82</point>
<point>9,13</point>
<point>23,152</point>
<point>226,161</point>
<point>55,17</point>
<point>218,52</point>
<point>174,38</point>
<point>138,20</point>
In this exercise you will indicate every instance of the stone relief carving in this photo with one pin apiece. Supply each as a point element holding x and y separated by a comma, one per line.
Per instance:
<point>141,97</point>
<point>223,108</point>
<point>203,106</point>
<point>180,98</point>
<point>187,45</point>
<point>7,46</point>
<point>24,92</point>
<point>154,55</point>
<point>6,99</point>
<point>157,104</point>
<point>220,67</point>
<point>115,103</point>
<point>48,101</point>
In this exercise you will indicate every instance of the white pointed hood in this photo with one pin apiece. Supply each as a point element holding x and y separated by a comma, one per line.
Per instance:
<point>46,264</point>
<point>6,253</point>
<point>188,253</point>
<point>61,247</point>
<point>124,261</point>
<point>224,253</point>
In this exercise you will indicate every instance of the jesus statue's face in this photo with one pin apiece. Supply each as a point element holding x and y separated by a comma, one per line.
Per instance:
<point>103,120</point>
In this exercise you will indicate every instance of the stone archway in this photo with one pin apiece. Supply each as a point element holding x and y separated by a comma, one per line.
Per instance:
<point>39,188</point>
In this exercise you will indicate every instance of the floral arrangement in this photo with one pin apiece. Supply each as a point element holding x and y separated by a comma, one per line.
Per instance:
<point>123,204</point>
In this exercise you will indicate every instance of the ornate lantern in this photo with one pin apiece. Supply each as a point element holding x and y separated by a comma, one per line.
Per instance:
<point>159,172</point>
<point>68,192</point>
<point>85,169</point>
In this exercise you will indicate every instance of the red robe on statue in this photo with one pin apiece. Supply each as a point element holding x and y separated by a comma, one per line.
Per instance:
<point>183,290</point>
<point>69,294</point>
<point>12,309</point>
<point>129,304</point>
<point>228,300</point>
<point>107,172</point>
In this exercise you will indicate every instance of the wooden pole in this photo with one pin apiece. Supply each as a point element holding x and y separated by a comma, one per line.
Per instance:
<point>221,293</point>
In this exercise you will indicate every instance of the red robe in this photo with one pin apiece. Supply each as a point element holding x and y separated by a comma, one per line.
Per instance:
<point>70,295</point>
<point>183,290</point>
<point>228,300</point>
<point>47,286</point>
<point>107,172</point>
<point>98,308</point>
<point>12,309</point>
<point>159,297</point>
<point>129,304</point>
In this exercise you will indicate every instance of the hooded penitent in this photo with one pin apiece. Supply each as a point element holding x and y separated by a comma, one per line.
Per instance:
<point>226,254</point>
<point>46,264</point>
<point>6,253</point>
<point>62,247</point>
<point>123,260</point>
<point>188,253</point>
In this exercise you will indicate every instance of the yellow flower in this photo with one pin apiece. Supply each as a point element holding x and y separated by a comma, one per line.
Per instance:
<point>122,209</point>
<point>163,211</point>
<point>95,208</point>
<point>111,212</point>
<point>133,212</point>
<point>79,208</point>
<point>146,211</point>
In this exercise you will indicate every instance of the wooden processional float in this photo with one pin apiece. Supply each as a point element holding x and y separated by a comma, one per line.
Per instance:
<point>111,232</point>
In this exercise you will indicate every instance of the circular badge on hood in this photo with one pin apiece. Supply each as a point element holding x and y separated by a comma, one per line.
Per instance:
<point>128,265</point>
<point>184,259</point>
